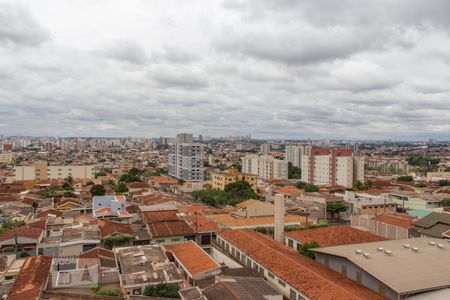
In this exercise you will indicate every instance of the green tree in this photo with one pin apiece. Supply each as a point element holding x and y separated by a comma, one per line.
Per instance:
<point>100,174</point>
<point>262,230</point>
<point>162,290</point>
<point>294,172</point>
<point>305,249</point>
<point>115,240</point>
<point>336,208</point>
<point>90,183</point>
<point>406,178</point>
<point>444,182</point>
<point>445,202</point>
<point>69,194</point>
<point>110,293</point>
<point>98,190</point>
<point>121,188</point>
<point>310,188</point>
<point>66,186</point>
<point>239,191</point>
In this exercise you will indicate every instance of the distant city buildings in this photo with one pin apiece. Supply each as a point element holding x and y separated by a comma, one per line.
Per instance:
<point>265,166</point>
<point>387,164</point>
<point>40,170</point>
<point>294,154</point>
<point>221,179</point>
<point>332,167</point>
<point>186,159</point>
<point>265,148</point>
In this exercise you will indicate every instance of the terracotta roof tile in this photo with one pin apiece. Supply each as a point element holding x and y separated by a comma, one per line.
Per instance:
<point>306,275</point>
<point>31,279</point>
<point>194,258</point>
<point>395,220</point>
<point>334,236</point>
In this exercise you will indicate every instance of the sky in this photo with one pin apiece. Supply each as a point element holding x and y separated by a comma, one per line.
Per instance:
<point>347,69</point>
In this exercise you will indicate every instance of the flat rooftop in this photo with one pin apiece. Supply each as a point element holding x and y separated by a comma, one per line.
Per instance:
<point>145,264</point>
<point>404,270</point>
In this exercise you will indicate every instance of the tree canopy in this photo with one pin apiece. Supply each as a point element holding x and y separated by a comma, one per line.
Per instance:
<point>305,249</point>
<point>121,188</point>
<point>162,290</point>
<point>98,190</point>
<point>336,208</point>
<point>294,172</point>
<point>233,194</point>
<point>308,187</point>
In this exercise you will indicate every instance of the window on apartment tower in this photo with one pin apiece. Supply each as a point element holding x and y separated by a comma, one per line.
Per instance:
<point>292,294</point>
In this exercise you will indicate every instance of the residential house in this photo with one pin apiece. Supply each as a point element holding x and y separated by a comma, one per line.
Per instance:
<point>193,262</point>
<point>141,266</point>
<point>255,208</point>
<point>396,226</point>
<point>109,206</point>
<point>433,225</point>
<point>32,279</point>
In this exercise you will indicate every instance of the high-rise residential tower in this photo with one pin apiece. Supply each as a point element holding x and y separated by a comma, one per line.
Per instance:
<point>186,158</point>
<point>332,167</point>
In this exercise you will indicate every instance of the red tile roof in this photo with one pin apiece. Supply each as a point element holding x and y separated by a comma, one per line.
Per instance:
<point>201,224</point>
<point>137,185</point>
<point>31,279</point>
<point>193,258</point>
<point>334,236</point>
<point>395,220</point>
<point>170,228</point>
<point>306,275</point>
<point>51,211</point>
<point>108,227</point>
<point>160,215</point>
<point>23,231</point>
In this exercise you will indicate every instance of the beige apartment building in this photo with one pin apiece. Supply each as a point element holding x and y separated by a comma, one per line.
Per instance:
<point>40,170</point>
<point>221,179</point>
<point>6,158</point>
<point>332,167</point>
<point>265,166</point>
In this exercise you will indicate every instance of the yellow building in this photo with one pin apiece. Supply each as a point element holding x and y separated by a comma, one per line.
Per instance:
<point>40,170</point>
<point>221,179</point>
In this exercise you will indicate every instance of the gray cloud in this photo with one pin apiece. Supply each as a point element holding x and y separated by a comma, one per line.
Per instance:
<point>18,27</point>
<point>289,69</point>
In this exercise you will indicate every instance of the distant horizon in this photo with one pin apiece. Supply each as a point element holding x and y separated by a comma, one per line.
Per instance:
<point>235,136</point>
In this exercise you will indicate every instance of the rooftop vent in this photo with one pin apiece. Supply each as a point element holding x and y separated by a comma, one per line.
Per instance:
<point>359,251</point>
<point>407,246</point>
<point>415,249</point>
<point>440,246</point>
<point>366,254</point>
<point>381,249</point>
<point>432,243</point>
<point>388,252</point>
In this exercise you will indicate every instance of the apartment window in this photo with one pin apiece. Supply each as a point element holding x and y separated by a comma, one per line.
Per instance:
<point>327,261</point>
<point>271,275</point>
<point>175,239</point>
<point>292,294</point>
<point>281,282</point>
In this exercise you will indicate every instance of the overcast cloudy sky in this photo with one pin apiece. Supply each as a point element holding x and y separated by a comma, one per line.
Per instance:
<point>279,68</point>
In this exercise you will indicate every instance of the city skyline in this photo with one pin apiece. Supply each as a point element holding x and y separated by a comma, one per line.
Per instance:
<point>278,69</point>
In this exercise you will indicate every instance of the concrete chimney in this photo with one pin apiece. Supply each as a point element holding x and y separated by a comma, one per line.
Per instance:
<point>279,218</point>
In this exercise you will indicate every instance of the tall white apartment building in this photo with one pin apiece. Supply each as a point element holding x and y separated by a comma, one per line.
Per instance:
<point>332,167</point>
<point>186,158</point>
<point>265,148</point>
<point>294,154</point>
<point>265,166</point>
